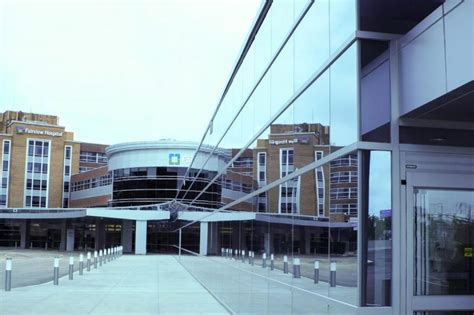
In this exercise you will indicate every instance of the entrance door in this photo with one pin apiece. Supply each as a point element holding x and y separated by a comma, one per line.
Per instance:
<point>440,241</point>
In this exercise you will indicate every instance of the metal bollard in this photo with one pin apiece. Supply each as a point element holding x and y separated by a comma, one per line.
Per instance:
<point>8,274</point>
<point>108,255</point>
<point>222,251</point>
<point>81,264</point>
<point>56,271</point>
<point>333,274</point>
<point>296,268</point>
<point>253,258</point>
<point>285,264</point>
<point>243,256</point>
<point>105,256</point>
<point>272,262</point>
<point>264,260</point>
<point>250,257</point>
<point>316,271</point>
<point>45,246</point>
<point>236,254</point>
<point>95,259</point>
<point>88,261</point>
<point>71,267</point>
<point>100,258</point>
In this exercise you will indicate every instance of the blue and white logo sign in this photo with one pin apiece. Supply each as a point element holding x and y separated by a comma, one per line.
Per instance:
<point>20,130</point>
<point>174,159</point>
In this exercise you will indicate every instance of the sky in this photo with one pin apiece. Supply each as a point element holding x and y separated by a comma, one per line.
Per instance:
<point>121,70</point>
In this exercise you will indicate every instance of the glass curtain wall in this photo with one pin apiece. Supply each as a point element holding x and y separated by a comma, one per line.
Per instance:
<point>285,238</point>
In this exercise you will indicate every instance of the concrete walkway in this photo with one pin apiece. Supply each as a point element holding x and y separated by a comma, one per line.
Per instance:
<point>253,290</point>
<point>128,285</point>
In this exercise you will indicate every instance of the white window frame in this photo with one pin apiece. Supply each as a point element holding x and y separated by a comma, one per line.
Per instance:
<point>33,176</point>
<point>66,162</point>
<point>286,183</point>
<point>319,212</point>
<point>8,159</point>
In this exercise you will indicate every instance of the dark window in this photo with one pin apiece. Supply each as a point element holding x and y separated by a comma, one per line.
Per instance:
<point>38,148</point>
<point>6,147</point>
<point>68,153</point>
<point>37,167</point>
<point>45,168</point>
<point>28,183</point>
<point>46,149</point>
<point>43,202</point>
<point>36,184</point>
<point>66,186</point>
<point>67,170</point>
<point>31,148</point>
<point>4,182</point>
<point>5,166</point>
<point>36,201</point>
<point>290,157</point>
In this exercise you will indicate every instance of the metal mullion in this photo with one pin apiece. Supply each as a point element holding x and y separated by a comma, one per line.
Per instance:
<point>335,155</point>
<point>264,9</point>
<point>262,76</point>
<point>292,99</point>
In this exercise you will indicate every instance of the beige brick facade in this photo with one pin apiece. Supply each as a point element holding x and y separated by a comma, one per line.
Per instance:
<point>44,128</point>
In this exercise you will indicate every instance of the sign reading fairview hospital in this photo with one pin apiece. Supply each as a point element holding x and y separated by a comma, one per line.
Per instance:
<point>21,130</point>
<point>304,140</point>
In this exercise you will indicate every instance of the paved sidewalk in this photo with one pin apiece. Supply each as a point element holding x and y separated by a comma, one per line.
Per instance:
<point>254,290</point>
<point>34,266</point>
<point>128,285</point>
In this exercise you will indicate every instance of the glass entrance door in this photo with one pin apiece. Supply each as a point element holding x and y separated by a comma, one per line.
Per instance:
<point>440,241</point>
